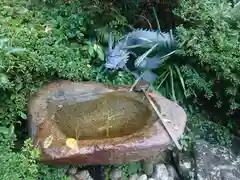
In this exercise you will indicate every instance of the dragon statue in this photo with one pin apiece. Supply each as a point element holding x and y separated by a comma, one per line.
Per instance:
<point>139,52</point>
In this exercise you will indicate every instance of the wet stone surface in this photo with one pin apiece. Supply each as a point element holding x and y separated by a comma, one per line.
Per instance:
<point>93,124</point>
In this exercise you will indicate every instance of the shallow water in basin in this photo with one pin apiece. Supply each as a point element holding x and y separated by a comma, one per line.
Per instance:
<point>113,114</point>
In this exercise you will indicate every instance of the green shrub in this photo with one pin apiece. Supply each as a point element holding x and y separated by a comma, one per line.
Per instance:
<point>55,48</point>
<point>170,82</point>
<point>47,52</point>
<point>23,164</point>
<point>200,126</point>
<point>40,43</point>
<point>46,36</point>
<point>210,44</point>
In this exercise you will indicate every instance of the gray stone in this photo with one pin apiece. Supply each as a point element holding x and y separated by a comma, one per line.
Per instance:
<point>172,172</point>
<point>116,174</point>
<point>83,175</point>
<point>212,162</point>
<point>72,170</point>
<point>72,177</point>
<point>143,177</point>
<point>235,145</point>
<point>161,173</point>
<point>148,167</point>
<point>215,162</point>
<point>185,165</point>
<point>134,177</point>
<point>161,157</point>
<point>151,179</point>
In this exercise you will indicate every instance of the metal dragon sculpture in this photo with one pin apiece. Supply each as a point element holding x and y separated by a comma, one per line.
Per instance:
<point>125,54</point>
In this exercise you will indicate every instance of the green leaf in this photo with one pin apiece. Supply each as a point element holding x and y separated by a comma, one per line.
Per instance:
<point>14,50</point>
<point>156,18</point>
<point>90,51</point>
<point>144,44</point>
<point>22,10</point>
<point>23,115</point>
<point>4,130</point>
<point>142,57</point>
<point>172,84</point>
<point>165,77</point>
<point>11,130</point>
<point>2,42</point>
<point>3,78</point>
<point>181,80</point>
<point>169,54</point>
<point>99,51</point>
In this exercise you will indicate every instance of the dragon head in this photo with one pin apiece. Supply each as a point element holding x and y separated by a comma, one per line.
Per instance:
<point>116,57</point>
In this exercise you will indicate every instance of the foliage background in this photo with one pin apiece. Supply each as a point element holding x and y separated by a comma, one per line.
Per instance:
<point>210,46</point>
<point>39,43</point>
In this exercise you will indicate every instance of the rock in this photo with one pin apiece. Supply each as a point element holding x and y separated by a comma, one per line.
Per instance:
<point>185,165</point>
<point>72,170</point>
<point>211,162</point>
<point>116,174</point>
<point>215,162</point>
<point>72,177</point>
<point>172,172</point>
<point>163,156</point>
<point>161,173</point>
<point>148,167</point>
<point>134,177</point>
<point>83,175</point>
<point>160,158</point>
<point>151,179</point>
<point>61,110</point>
<point>143,177</point>
<point>235,145</point>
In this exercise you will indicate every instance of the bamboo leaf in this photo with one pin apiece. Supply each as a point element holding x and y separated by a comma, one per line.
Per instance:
<point>156,18</point>
<point>181,80</point>
<point>172,84</point>
<point>167,73</point>
<point>136,81</point>
<point>142,57</point>
<point>144,44</point>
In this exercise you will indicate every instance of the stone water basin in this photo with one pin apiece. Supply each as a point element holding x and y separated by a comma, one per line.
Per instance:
<point>105,125</point>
